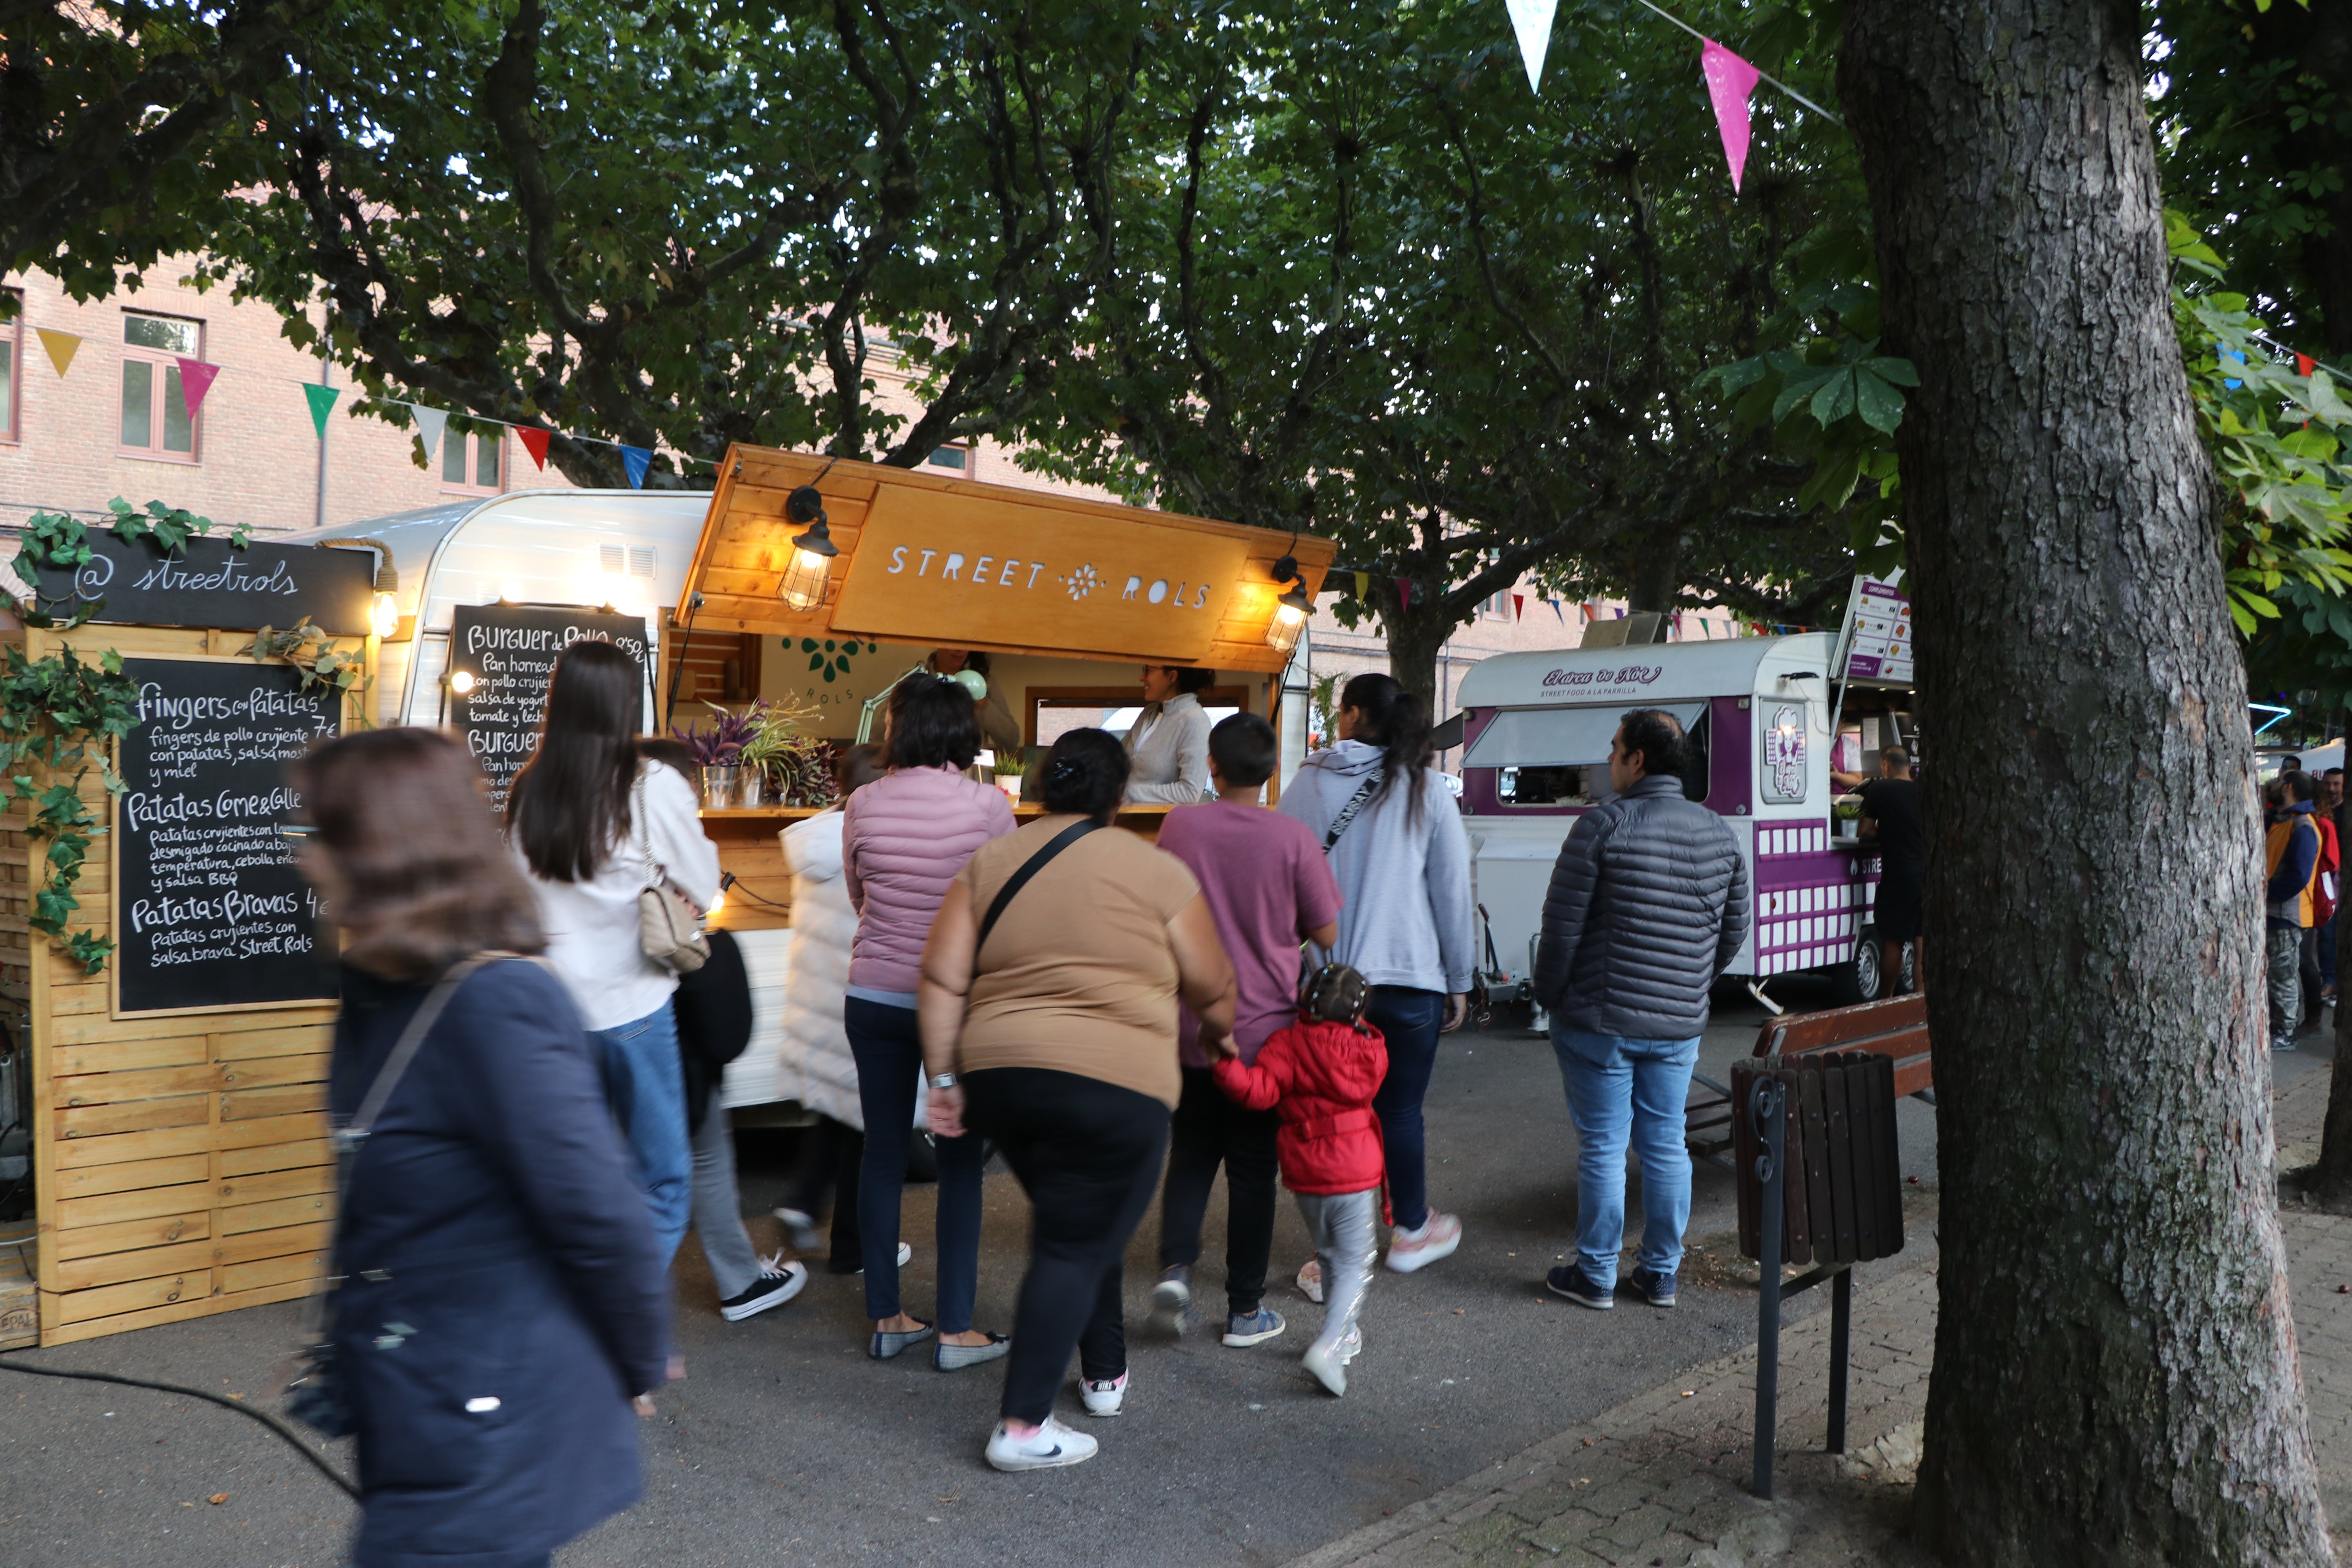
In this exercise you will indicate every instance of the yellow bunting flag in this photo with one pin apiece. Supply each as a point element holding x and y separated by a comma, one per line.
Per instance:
<point>61,347</point>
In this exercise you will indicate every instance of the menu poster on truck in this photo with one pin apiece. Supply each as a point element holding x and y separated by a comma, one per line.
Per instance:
<point>510,651</point>
<point>210,912</point>
<point>1881,645</point>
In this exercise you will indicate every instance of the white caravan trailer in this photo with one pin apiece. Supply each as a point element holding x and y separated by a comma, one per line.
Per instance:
<point>628,548</point>
<point>1536,728</point>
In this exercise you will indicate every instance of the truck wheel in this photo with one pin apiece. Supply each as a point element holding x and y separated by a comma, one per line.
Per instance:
<point>1858,979</point>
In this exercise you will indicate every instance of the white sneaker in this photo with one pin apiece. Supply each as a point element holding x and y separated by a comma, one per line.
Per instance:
<point>1328,1367</point>
<point>1439,1234</point>
<point>1103,1398</point>
<point>801,1229</point>
<point>1310,1280</point>
<point>1049,1447</point>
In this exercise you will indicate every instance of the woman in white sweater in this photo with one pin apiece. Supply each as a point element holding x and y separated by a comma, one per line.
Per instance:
<point>593,827</point>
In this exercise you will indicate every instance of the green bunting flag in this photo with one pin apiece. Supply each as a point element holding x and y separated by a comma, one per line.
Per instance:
<point>323,403</point>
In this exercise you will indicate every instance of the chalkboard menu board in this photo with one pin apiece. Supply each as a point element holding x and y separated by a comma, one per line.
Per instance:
<point>510,651</point>
<point>209,911</point>
<point>212,582</point>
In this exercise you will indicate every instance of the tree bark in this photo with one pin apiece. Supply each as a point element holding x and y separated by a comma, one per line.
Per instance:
<point>1416,637</point>
<point>2114,1378</point>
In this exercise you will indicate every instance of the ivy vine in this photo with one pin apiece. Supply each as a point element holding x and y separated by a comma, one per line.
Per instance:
<point>327,669</point>
<point>62,714</point>
<point>55,542</point>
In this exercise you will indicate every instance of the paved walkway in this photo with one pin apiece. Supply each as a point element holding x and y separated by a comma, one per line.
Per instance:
<point>1662,1479</point>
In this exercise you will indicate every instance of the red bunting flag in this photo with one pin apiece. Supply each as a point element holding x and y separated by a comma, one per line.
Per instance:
<point>1729,81</point>
<point>534,441</point>
<point>195,380</point>
<point>2304,363</point>
<point>1404,594</point>
<point>1518,606</point>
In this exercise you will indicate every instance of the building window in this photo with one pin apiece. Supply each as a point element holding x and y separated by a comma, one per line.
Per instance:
<point>948,458</point>
<point>469,462</point>
<point>12,356</point>
<point>155,418</point>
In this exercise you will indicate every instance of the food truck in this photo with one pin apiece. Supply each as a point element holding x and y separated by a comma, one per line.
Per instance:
<point>824,603</point>
<point>1760,712</point>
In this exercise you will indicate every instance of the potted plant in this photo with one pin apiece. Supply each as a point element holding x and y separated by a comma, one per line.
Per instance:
<point>795,767</point>
<point>1008,771</point>
<point>719,752</point>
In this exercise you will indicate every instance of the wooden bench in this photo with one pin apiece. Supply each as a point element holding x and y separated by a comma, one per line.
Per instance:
<point>1895,1027</point>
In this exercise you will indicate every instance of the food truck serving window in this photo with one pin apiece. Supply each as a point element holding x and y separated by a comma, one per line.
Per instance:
<point>1559,737</point>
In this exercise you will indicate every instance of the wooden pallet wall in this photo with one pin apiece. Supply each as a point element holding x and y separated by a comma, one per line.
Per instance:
<point>181,1165</point>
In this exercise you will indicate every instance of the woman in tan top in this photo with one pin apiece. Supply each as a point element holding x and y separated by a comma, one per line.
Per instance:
<point>1057,1039</point>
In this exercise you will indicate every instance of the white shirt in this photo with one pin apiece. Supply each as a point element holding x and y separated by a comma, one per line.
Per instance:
<point>591,926</point>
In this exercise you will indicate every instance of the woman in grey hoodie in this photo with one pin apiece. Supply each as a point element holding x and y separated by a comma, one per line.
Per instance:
<point>1396,844</point>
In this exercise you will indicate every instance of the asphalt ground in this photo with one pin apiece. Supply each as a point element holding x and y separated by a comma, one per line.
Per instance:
<point>785,1445</point>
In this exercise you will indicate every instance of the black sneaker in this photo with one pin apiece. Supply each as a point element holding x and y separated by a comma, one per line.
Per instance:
<point>1572,1283</point>
<point>1657,1289</point>
<point>777,1284</point>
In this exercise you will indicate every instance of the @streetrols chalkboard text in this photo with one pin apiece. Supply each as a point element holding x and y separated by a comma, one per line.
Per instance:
<point>209,909</point>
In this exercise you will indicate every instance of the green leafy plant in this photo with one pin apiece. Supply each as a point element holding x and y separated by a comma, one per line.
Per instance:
<point>797,762</point>
<point>61,715</point>
<point>55,542</point>
<point>326,668</point>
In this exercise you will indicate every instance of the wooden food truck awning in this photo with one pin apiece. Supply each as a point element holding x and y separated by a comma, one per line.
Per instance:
<point>963,565</point>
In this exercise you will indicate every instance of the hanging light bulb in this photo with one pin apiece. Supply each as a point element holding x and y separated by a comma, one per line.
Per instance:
<point>383,617</point>
<point>1290,611</point>
<point>802,585</point>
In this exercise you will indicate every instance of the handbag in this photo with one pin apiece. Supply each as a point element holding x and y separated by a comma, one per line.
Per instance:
<point>668,929</point>
<point>319,1397</point>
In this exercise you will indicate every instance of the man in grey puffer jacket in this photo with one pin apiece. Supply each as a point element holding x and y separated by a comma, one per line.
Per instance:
<point>1648,904</point>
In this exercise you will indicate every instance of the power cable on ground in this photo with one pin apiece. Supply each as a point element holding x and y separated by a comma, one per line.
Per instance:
<point>293,1439</point>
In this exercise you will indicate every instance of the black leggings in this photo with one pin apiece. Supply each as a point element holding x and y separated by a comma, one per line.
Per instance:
<point>1087,1154</point>
<point>1210,1130</point>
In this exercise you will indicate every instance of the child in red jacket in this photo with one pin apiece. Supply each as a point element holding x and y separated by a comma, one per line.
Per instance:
<point>1322,1073</point>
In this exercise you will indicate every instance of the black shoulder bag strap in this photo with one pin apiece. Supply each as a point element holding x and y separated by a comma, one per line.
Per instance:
<point>1348,812</point>
<point>1019,880</point>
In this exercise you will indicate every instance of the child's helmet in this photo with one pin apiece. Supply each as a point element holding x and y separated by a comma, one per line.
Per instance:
<point>1335,994</point>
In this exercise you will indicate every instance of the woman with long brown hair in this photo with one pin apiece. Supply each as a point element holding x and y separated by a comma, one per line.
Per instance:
<point>501,1297</point>
<point>594,825</point>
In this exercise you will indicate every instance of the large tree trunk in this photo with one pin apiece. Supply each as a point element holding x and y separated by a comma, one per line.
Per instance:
<point>2114,1378</point>
<point>1416,637</point>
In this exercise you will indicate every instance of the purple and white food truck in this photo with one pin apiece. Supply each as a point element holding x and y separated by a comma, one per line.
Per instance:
<point>1759,713</point>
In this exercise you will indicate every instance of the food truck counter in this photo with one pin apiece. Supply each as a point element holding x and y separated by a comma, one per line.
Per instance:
<point>760,896</point>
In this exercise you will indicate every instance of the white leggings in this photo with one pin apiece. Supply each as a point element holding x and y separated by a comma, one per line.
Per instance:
<point>1344,1227</point>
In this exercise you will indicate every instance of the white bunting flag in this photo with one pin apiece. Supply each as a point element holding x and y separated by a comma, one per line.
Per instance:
<point>430,422</point>
<point>1531,20</point>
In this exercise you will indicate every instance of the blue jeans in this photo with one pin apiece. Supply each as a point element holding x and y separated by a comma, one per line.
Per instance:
<point>1408,1019</point>
<point>647,1091</point>
<point>1621,1089</point>
<point>889,1052</point>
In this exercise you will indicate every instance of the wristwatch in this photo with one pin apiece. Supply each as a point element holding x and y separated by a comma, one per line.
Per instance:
<point>943,1080</point>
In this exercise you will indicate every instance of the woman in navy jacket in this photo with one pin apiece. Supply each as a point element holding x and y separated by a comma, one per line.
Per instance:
<point>502,1297</point>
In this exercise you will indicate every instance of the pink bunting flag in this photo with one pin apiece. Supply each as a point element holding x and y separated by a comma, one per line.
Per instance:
<point>1729,81</point>
<point>1404,594</point>
<point>195,380</point>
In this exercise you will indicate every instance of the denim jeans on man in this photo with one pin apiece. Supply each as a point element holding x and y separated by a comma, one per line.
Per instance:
<point>646,1089</point>
<point>1621,1091</point>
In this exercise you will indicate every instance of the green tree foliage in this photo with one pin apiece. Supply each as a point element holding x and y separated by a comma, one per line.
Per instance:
<point>2254,128</point>
<point>124,128</point>
<point>1384,292</point>
<point>687,225</point>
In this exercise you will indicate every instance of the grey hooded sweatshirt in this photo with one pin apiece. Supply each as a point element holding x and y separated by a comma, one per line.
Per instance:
<point>1404,881</point>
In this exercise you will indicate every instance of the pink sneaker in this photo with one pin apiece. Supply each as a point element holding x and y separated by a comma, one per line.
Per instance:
<point>1439,1234</point>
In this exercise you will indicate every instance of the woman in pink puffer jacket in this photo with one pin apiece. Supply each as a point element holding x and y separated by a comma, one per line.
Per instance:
<point>904,836</point>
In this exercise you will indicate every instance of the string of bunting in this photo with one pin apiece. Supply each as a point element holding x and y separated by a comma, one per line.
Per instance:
<point>197,378</point>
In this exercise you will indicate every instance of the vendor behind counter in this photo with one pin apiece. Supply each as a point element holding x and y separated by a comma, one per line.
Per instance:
<point>999,725</point>
<point>1167,748</point>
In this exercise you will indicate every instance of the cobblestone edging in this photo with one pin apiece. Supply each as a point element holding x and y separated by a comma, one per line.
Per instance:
<point>1662,1479</point>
